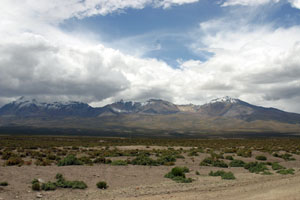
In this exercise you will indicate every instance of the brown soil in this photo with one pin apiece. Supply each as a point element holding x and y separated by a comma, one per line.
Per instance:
<point>148,183</point>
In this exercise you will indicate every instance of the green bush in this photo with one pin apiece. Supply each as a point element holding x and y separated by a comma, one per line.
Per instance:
<point>210,161</point>
<point>102,185</point>
<point>14,161</point>
<point>220,163</point>
<point>178,174</point>
<point>244,153</point>
<point>86,160</point>
<point>255,167</point>
<point>43,162</point>
<point>144,160</point>
<point>217,173</point>
<point>197,173</point>
<point>285,171</point>
<point>69,160</point>
<point>228,176</point>
<point>102,160</point>
<point>276,166</point>
<point>237,163</point>
<point>261,157</point>
<point>286,156</point>
<point>119,162</point>
<point>60,183</point>
<point>223,174</point>
<point>266,173</point>
<point>48,186</point>
<point>3,183</point>
<point>229,158</point>
<point>193,153</point>
<point>35,185</point>
<point>166,160</point>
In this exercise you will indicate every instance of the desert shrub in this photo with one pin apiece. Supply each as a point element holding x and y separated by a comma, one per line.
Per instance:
<point>217,173</point>
<point>178,174</point>
<point>216,156</point>
<point>86,160</point>
<point>43,162</point>
<point>193,153</point>
<point>285,171</point>
<point>228,176</point>
<point>229,158</point>
<point>14,161</point>
<point>48,186</point>
<point>286,156</point>
<point>166,160</point>
<point>237,163</point>
<point>102,185</point>
<point>35,185</point>
<point>144,160</point>
<point>223,174</point>
<point>69,160</point>
<point>255,167</point>
<point>266,173</point>
<point>7,154</point>
<point>210,161</point>
<point>119,162</point>
<point>197,173</point>
<point>102,160</point>
<point>230,150</point>
<point>276,166</point>
<point>3,183</point>
<point>60,183</point>
<point>180,156</point>
<point>220,163</point>
<point>261,157</point>
<point>51,157</point>
<point>244,153</point>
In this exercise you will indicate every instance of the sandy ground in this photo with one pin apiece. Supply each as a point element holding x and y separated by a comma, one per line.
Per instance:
<point>148,183</point>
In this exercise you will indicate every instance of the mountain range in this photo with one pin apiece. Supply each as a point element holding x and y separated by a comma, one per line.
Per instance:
<point>219,115</point>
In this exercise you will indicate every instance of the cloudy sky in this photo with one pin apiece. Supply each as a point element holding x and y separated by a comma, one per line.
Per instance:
<point>184,51</point>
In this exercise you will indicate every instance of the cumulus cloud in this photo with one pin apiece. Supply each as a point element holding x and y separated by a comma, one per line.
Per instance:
<point>253,63</point>
<point>247,2</point>
<point>294,3</point>
<point>38,59</point>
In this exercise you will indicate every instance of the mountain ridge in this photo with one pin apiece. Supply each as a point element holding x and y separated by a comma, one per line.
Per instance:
<point>218,115</point>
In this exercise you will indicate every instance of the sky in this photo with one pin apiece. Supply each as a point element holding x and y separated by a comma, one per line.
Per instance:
<point>183,51</point>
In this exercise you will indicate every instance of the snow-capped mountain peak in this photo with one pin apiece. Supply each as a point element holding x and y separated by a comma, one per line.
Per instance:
<point>225,99</point>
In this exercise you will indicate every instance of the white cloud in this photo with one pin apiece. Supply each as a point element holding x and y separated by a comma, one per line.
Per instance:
<point>294,3</point>
<point>258,64</point>
<point>253,63</point>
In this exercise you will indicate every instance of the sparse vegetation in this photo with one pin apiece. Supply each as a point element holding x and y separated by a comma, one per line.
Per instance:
<point>223,174</point>
<point>119,162</point>
<point>210,161</point>
<point>4,183</point>
<point>69,160</point>
<point>237,163</point>
<point>286,156</point>
<point>102,185</point>
<point>261,157</point>
<point>178,174</point>
<point>285,171</point>
<point>229,158</point>
<point>256,167</point>
<point>60,183</point>
<point>276,166</point>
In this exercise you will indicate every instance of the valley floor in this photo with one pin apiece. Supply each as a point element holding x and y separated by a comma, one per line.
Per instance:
<point>148,183</point>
